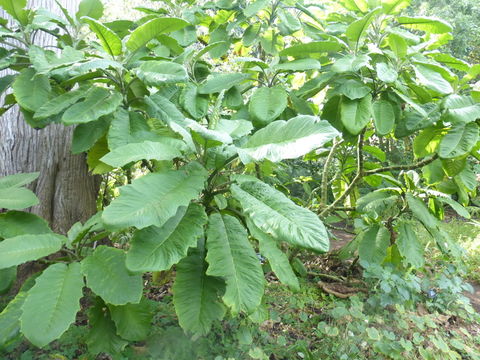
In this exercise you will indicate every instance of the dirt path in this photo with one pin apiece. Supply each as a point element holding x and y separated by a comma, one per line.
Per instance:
<point>475,297</point>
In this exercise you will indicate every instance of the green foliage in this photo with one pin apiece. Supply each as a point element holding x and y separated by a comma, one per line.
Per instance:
<point>257,78</point>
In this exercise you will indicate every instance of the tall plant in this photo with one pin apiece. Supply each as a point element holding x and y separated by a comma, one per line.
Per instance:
<point>194,107</point>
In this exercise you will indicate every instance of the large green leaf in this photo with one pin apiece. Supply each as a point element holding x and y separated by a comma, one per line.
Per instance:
<point>392,7</point>
<point>59,103</point>
<point>7,278</point>
<point>52,303</point>
<point>133,321</point>
<point>459,140</point>
<point>15,223</point>
<point>287,139</point>
<point>273,213</point>
<point>427,24</point>
<point>158,248</point>
<point>218,82</point>
<point>10,319</point>
<point>421,212</point>
<point>164,148</point>
<point>208,137</point>
<point>298,65</point>
<point>266,103</point>
<point>231,257</point>
<point>102,336</point>
<point>85,136</point>
<point>99,102</point>
<point>196,295</point>
<point>31,90</point>
<point>17,198</point>
<point>15,8</point>
<point>155,198</point>
<point>409,245</point>
<point>461,109</point>
<point>373,244</point>
<point>110,41</point>
<point>90,8</point>
<point>278,260</point>
<point>356,114</point>
<point>193,102</point>
<point>357,29</point>
<point>386,72</point>
<point>17,180</point>
<point>151,29</point>
<point>158,73</point>
<point>305,50</point>
<point>23,248</point>
<point>383,117</point>
<point>109,278</point>
<point>432,79</point>
<point>255,7</point>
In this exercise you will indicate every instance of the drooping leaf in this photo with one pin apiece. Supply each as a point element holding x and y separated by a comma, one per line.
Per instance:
<point>90,8</point>
<point>304,50</point>
<point>15,223</point>
<point>255,7</point>
<point>356,30</point>
<point>373,244</point>
<point>356,114</point>
<point>392,7</point>
<point>432,80</point>
<point>298,65</point>
<point>18,180</point>
<point>218,82</point>
<point>52,303</point>
<point>409,245</point>
<point>278,260</point>
<point>461,109</point>
<point>193,102</point>
<point>266,104</point>
<point>59,103</point>
<point>10,319</point>
<point>158,248</point>
<point>354,89</point>
<point>86,135</point>
<point>428,24</point>
<point>17,198</point>
<point>155,198</point>
<point>151,29</point>
<point>273,213</point>
<point>102,336</point>
<point>386,72</point>
<point>109,278</point>
<point>16,9</point>
<point>196,295</point>
<point>459,140</point>
<point>235,128</point>
<point>287,139</point>
<point>23,248</point>
<point>231,257</point>
<point>7,278</point>
<point>31,90</point>
<point>110,41</point>
<point>158,73</point>
<point>99,102</point>
<point>208,137</point>
<point>164,148</point>
<point>133,321</point>
<point>421,212</point>
<point>383,117</point>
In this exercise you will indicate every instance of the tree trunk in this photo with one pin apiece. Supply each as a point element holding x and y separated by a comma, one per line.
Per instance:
<point>66,190</point>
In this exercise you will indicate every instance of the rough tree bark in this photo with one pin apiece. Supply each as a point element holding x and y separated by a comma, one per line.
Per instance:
<point>66,190</point>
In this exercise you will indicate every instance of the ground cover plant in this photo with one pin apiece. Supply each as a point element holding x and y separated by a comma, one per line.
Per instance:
<point>197,116</point>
